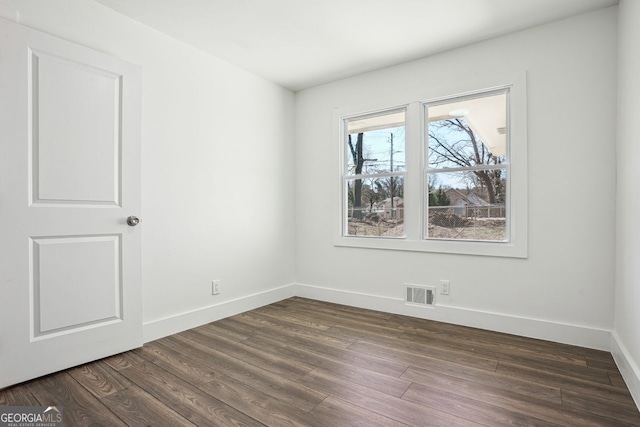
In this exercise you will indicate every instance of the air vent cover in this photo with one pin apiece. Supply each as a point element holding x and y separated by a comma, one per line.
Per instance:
<point>421,295</point>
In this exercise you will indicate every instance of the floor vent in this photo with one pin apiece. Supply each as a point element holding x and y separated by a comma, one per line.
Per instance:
<point>421,295</point>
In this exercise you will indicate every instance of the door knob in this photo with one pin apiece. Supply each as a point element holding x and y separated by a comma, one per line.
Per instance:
<point>133,221</point>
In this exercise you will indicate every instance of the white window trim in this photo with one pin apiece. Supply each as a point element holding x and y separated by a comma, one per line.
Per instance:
<point>517,189</point>
<point>345,162</point>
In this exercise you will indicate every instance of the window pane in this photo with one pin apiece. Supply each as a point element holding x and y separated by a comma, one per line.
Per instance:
<point>375,144</point>
<point>375,207</point>
<point>468,132</point>
<point>467,205</point>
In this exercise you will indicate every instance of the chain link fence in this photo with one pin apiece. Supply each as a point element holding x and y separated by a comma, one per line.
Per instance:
<point>486,222</point>
<point>383,223</point>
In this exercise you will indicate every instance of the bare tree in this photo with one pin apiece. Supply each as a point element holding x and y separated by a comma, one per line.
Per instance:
<point>358,161</point>
<point>453,142</point>
<point>373,192</point>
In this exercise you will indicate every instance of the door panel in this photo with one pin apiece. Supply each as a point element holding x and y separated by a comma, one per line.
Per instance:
<point>78,139</point>
<point>70,285</point>
<point>70,269</point>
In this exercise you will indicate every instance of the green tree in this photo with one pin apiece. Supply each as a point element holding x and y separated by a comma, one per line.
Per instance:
<point>441,197</point>
<point>438,197</point>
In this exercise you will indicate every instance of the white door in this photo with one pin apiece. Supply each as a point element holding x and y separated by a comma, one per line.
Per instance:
<point>70,288</point>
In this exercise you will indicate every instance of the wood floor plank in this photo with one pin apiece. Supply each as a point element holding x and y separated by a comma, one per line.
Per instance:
<point>510,405</point>
<point>388,385</point>
<point>337,412</point>
<point>123,360</point>
<point>341,310</point>
<point>567,382</point>
<point>311,348</point>
<point>238,351</point>
<point>280,304</point>
<point>464,407</point>
<point>318,340</point>
<point>333,319</point>
<point>274,384</point>
<point>605,364</point>
<point>484,336</point>
<point>462,339</point>
<point>173,359</point>
<point>232,325</point>
<point>447,341</point>
<point>309,333</point>
<point>352,333</point>
<point>292,317</point>
<point>560,368</point>
<point>185,399</point>
<point>484,378</point>
<point>340,317</point>
<point>136,407</point>
<point>258,405</point>
<point>438,348</point>
<point>617,380</point>
<point>277,386</point>
<point>414,357</point>
<point>226,330</point>
<point>368,377</point>
<point>99,378</point>
<point>79,406</point>
<point>255,322</point>
<point>395,408</point>
<point>416,348</point>
<point>18,395</point>
<point>618,412</point>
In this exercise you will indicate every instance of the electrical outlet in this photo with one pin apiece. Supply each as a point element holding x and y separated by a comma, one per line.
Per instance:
<point>215,287</point>
<point>445,287</point>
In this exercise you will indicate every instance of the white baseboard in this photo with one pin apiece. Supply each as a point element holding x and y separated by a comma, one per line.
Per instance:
<point>160,328</point>
<point>628,368</point>
<point>534,328</point>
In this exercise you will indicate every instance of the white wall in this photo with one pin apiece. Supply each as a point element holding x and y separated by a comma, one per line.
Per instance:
<point>564,290</point>
<point>626,336</point>
<point>217,178</point>
<point>215,137</point>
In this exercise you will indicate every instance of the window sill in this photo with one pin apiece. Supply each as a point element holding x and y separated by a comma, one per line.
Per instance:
<point>496,249</point>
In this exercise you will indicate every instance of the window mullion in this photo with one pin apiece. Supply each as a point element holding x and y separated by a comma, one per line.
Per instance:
<point>413,186</point>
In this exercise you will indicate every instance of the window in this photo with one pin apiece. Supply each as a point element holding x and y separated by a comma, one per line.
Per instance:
<point>374,174</point>
<point>447,174</point>
<point>467,168</point>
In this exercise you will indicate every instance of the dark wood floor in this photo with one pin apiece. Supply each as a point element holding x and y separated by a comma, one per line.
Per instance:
<point>307,363</point>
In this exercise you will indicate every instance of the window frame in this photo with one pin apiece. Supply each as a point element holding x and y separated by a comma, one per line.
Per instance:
<point>345,167</point>
<point>427,170</point>
<point>416,168</point>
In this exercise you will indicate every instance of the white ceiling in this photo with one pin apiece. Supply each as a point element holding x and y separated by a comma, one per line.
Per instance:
<point>303,43</point>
